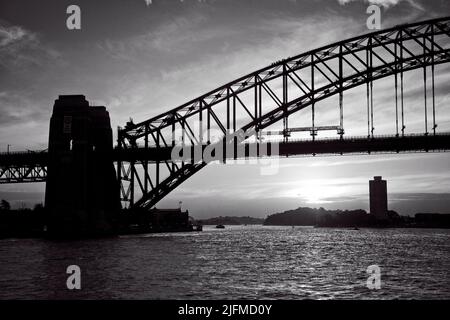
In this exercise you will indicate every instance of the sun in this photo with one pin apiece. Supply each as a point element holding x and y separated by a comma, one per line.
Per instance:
<point>316,193</point>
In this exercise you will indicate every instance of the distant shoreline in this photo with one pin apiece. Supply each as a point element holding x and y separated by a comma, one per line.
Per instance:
<point>330,227</point>
<point>321,217</point>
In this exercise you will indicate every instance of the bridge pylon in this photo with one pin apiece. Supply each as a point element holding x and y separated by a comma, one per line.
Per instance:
<point>82,193</point>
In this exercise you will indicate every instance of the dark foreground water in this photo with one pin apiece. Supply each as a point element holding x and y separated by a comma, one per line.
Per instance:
<point>237,262</point>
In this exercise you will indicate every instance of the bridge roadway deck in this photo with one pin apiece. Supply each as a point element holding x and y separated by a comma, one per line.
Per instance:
<point>348,145</point>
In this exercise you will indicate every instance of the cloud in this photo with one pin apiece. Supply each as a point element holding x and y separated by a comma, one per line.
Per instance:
<point>189,55</point>
<point>21,49</point>
<point>383,3</point>
<point>419,196</point>
<point>23,121</point>
<point>11,35</point>
<point>16,108</point>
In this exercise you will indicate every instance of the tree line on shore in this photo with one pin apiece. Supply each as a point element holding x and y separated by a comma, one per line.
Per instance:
<point>26,219</point>
<point>321,217</point>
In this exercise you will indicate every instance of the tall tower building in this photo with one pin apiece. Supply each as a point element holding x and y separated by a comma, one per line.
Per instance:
<point>378,198</point>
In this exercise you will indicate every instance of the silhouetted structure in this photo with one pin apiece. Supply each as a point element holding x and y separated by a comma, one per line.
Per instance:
<point>232,220</point>
<point>378,198</point>
<point>82,193</point>
<point>155,220</point>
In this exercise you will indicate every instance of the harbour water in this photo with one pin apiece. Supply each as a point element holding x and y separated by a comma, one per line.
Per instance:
<point>238,262</point>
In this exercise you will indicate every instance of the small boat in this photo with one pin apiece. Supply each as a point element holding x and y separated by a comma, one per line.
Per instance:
<point>355,228</point>
<point>220,226</point>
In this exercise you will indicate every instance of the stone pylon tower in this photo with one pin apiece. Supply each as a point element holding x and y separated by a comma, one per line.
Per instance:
<point>82,193</point>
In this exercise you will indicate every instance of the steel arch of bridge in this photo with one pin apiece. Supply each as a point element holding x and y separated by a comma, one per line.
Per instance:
<point>339,67</point>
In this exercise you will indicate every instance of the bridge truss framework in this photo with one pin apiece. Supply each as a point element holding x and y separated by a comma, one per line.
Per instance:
<point>272,94</point>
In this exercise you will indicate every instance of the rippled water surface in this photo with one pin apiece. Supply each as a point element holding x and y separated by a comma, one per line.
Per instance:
<point>233,263</point>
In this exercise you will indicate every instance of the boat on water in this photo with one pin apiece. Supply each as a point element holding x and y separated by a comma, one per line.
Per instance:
<point>220,226</point>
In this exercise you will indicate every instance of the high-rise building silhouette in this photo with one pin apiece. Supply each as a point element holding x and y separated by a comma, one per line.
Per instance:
<point>378,198</point>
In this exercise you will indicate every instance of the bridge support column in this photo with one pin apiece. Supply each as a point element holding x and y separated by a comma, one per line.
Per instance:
<point>82,192</point>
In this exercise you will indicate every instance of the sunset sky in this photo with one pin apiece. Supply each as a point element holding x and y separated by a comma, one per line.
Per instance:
<point>142,59</point>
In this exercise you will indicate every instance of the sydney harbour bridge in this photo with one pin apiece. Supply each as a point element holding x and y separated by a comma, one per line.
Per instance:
<point>145,170</point>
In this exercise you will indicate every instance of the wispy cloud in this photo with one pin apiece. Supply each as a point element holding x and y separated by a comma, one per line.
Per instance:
<point>11,35</point>
<point>20,110</point>
<point>188,56</point>
<point>21,49</point>
<point>17,108</point>
<point>385,3</point>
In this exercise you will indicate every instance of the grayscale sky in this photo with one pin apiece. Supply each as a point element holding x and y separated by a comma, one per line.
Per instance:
<point>140,60</point>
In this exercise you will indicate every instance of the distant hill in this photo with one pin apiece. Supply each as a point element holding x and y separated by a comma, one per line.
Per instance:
<point>231,220</point>
<point>354,218</point>
<point>319,217</point>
